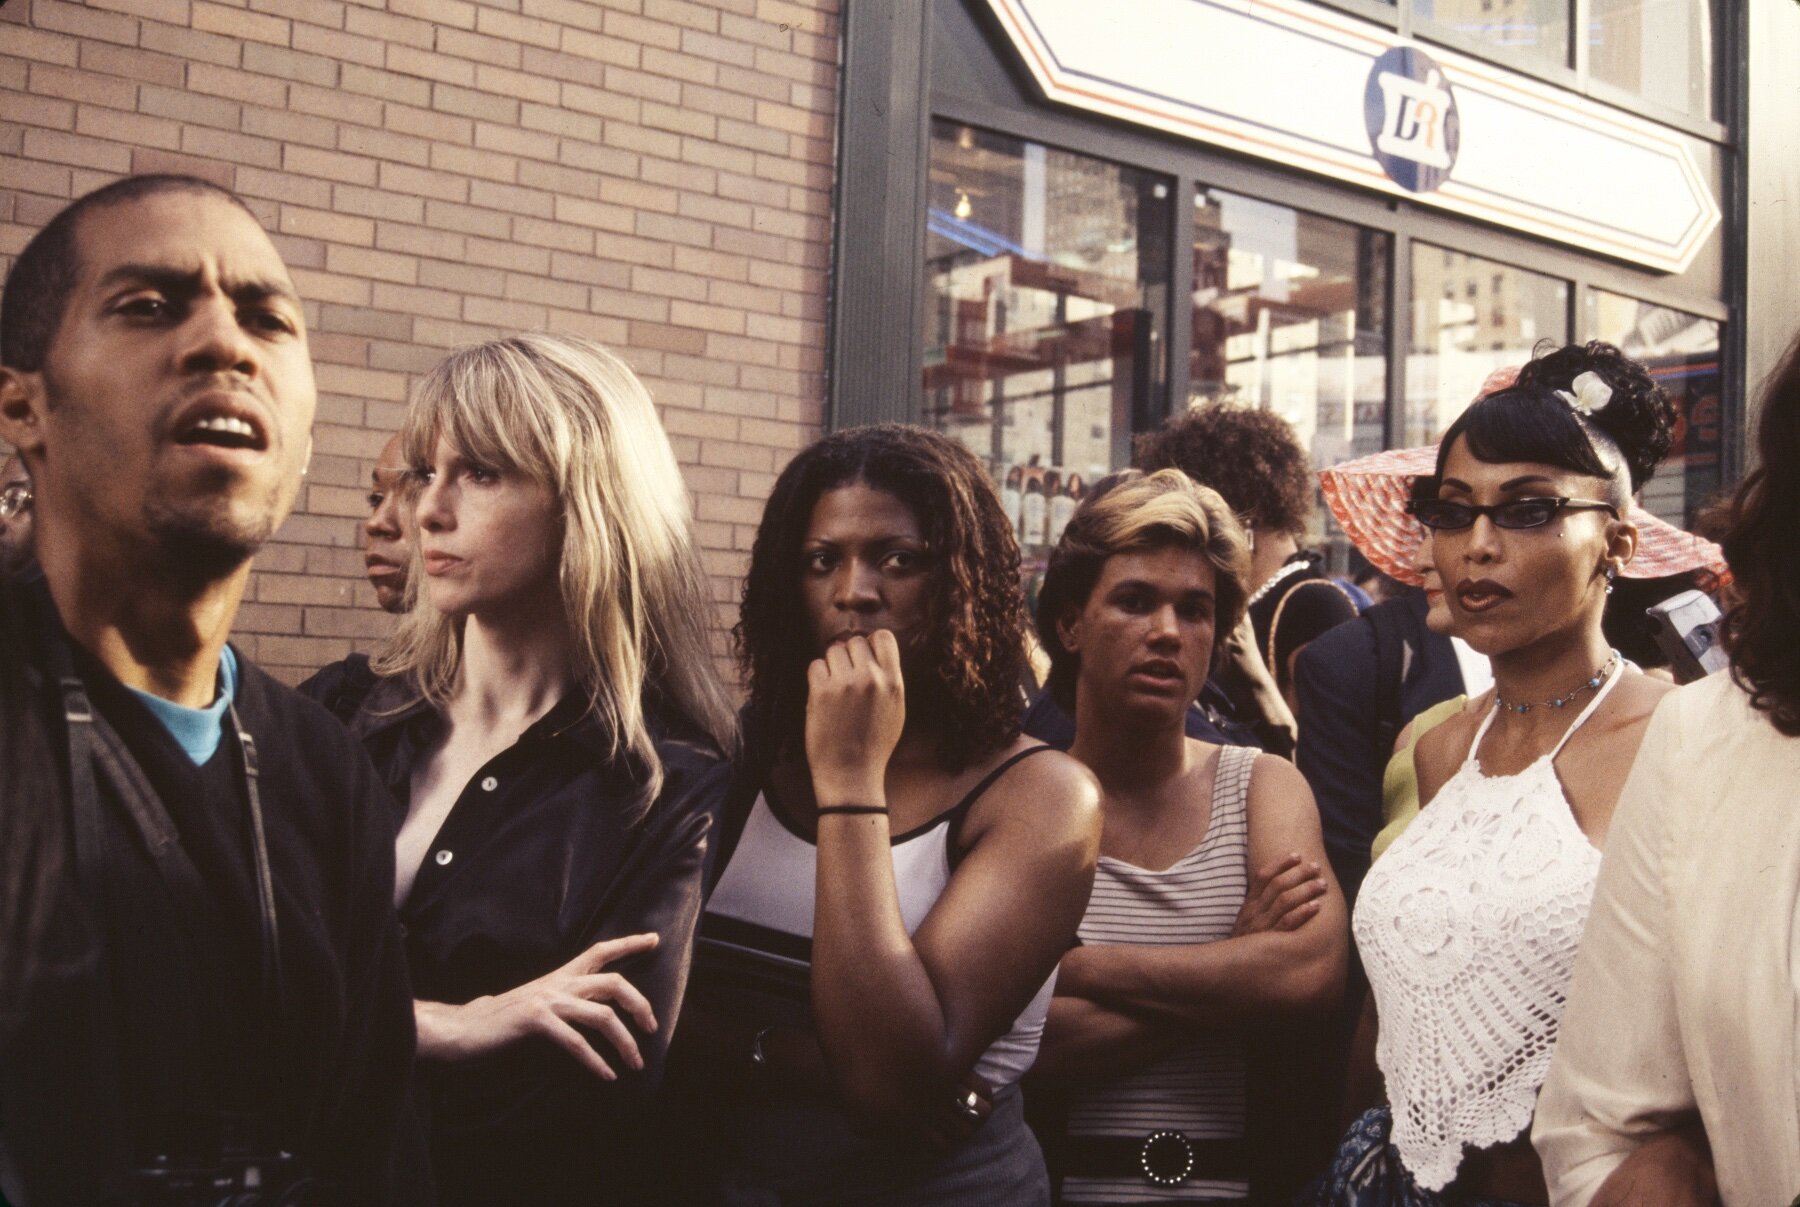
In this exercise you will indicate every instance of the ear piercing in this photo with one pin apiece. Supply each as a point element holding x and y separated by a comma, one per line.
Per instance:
<point>1612,572</point>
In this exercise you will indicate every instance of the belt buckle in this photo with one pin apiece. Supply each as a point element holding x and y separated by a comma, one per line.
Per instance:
<point>1166,1157</point>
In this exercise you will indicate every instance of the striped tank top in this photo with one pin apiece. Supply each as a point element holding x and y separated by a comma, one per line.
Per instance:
<point>1198,1090</point>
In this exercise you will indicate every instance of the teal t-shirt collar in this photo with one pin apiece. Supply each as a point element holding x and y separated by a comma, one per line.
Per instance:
<point>197,730</point>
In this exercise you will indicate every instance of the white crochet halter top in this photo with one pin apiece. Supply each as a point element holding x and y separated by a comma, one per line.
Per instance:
<point>1468,928</point>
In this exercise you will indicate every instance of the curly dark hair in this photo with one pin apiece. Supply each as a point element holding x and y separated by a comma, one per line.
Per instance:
<point>1759,546</point>
<point>966,681</point>
<point>1529,421</point>
<point>1251,457</point>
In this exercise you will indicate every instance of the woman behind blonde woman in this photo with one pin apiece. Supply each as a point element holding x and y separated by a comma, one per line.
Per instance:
<point>549,719</point>
<point>1679,1051</point>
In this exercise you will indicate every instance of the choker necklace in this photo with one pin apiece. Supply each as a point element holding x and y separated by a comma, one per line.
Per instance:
<point>1600,676</point>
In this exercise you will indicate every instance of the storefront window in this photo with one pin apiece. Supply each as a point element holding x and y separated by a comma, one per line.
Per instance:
<point>1046,305</point>
<point>1290,315</point>
<point>1470,317</point>
<point>1682,353</point>
<point>1660,49</point>
<point>1535,28</point>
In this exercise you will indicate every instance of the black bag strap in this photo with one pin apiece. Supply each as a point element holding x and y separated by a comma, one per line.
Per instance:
<point>1390,669</point>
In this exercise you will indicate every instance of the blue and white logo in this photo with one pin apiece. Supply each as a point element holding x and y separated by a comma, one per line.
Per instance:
<point>1411,118</point>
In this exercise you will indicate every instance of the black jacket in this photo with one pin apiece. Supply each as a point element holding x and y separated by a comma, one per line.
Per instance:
<point>150,1018</point>
<point>548,852</point>
<point>1358,686</point>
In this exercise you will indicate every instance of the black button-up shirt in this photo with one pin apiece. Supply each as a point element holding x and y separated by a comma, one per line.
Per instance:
<point>547,851</point>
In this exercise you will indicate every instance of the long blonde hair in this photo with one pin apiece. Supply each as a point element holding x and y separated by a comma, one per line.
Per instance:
<point>575,419</point>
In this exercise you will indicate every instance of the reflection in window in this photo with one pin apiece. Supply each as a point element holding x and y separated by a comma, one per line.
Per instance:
<point>1046,303</point>
<point>1660,49</point>
<point>1459,336</point>
<point>1290,315</point>
<point>1682,353</point>
<point>1537,28</point>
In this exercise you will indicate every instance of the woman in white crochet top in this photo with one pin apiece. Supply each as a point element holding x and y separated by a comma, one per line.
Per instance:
<point>1469,925</point>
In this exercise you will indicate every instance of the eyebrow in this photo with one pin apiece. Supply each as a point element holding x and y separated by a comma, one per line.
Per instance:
<point>186,282</point>
<point>1509,484</point>
<point>1141,584</point>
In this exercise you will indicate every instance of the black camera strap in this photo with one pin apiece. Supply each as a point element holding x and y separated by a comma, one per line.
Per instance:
<point>94,744</point>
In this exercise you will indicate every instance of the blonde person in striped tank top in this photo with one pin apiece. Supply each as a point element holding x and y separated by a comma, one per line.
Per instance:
<point>1181,948</point>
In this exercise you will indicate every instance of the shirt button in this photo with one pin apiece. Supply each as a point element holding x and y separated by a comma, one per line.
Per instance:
<point>444,857</point>
<point>489,784</point>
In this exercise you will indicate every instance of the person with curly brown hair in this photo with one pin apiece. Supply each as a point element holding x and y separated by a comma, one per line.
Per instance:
<point>901,870</point>
<point>1255,462</point>
<point>1674,1079</point>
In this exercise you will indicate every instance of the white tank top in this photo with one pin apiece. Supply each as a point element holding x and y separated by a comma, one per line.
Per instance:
<point>764,901</point>
<point>1468,929</point>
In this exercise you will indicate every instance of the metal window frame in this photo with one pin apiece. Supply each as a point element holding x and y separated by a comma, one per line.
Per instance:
<point>890,96</point>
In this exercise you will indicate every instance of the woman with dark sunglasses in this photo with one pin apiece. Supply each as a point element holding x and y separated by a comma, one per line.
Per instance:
<point>1469,925</point>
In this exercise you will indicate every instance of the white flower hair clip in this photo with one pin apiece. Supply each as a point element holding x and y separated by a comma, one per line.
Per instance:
<point>1587,393</point>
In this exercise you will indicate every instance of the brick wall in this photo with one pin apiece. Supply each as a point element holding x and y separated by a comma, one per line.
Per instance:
<point>654,174</point>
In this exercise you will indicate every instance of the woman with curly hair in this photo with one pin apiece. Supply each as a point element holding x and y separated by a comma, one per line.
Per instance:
<point>903,870</point>
<point>1469,925</point>
<point>1255,461</point>
<point>1678,1056</point>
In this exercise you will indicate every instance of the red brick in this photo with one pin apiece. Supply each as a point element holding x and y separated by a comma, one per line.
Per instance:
<point>380,26</point>
<point>444,186</point>
<point>191,44</point>
<point>101,58</point>
<point>643,31</point>
<point>510,254</point>
<point>516,83</point>
<point>385,84</point>
<point>240,23</point>
<point>337,103</point>
<point>281,186</point>
<point>376,203</point>
<point>27,110</point>
<point>81,21</point>
<point>479,47</point>
<point>150,161</point>
<point>384,144</point>
<point>438,12</point>
<point>290,127</point>
<point>232,148</point>
<point>479,105</point>
<point>185,106</point>
<point>338,44</point>
<point>527,30</point>
<point>429,124</point>
<point>420,241</point>
<point>467,161</point>
<point>311,161</point>
<point>468,219</point>
<point>323,224</point>
<point>75,150</point>
<point>236,85</point>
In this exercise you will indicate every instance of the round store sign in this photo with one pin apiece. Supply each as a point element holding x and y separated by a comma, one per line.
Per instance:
<point>1411,117</point>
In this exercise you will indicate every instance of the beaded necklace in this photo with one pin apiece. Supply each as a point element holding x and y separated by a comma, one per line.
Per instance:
<point>1563,701</point>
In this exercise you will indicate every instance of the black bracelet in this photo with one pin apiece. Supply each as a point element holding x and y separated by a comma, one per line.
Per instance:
<point>824,809</point>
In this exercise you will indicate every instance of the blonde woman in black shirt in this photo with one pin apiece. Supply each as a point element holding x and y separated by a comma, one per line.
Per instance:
<point>551,721</point>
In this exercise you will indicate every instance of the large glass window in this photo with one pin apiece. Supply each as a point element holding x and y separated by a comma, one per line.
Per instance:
<point>1535,28</point>
<point>1469,317</point>
<point>1290,315</point>
<point>1660,49</point>
<point>1682,352</point>
<point>1046,304</point>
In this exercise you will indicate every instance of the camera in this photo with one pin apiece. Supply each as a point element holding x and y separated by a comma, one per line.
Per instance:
<point>1687,631</point>
<point>238,1179</point>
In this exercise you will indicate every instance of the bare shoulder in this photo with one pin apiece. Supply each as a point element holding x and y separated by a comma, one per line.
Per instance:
<point>1049,792</point>
<point>1627,711</point>
<point>1441,749</point>
<point>1274,778</point>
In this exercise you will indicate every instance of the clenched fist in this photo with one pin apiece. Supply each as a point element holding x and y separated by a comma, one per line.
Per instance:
<point>855,710</point>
